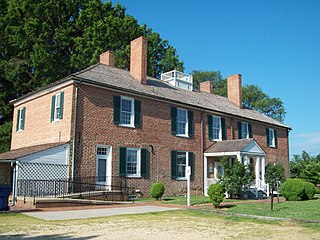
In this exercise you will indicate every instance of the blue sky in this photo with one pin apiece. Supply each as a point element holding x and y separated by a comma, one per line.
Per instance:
<point>273,44</point>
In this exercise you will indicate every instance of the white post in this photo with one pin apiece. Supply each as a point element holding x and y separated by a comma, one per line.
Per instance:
<point>257,170</point>
<point>205,175</point>
<point>263,168</point>
<point>188,173</point>
<point>13,184</point>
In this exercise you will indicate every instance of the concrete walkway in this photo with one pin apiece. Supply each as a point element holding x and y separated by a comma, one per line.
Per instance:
<point>93,213</point>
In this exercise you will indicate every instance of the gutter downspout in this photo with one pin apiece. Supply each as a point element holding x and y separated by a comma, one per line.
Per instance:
<point>74,133</point>
<point>202,149</point>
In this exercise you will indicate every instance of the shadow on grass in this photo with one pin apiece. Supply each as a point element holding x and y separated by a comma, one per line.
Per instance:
<point>227,206</point>
<point>47,237</point>
<point>168,199</point>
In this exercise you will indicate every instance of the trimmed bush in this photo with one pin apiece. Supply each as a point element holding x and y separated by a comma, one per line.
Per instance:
<point>157,190</point>
<point>309,191</point>
<point>317,191</point>
<point>296,189</point>
<point>216,193</point>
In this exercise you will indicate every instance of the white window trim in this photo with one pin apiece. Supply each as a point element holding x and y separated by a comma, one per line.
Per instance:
<point>272,143</point>
<point>187,164</point>
<point>138,174</point>
<point>186,134</point>
<point>247,127</point>
<point>220,130</point>
<point>55,119</point>
<point>108,163</point>
<point>20,120</point>
<point>132,112</point>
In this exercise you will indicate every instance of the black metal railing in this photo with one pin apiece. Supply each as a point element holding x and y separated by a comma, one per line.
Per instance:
<point>85,188</point>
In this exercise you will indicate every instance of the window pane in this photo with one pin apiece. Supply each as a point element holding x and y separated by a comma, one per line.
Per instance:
<point>101,151</point>
<point>132,161</point>
<point>244,130</point>
<point>216,126</point>
<point>181,164</point>
<point>181,121</point>
<point>271,137</point>
<point>102,171</point>
<point>126,111</point>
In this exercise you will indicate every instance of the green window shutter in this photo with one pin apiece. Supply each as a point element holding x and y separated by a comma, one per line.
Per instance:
<point>52,107</point>
<point>61,105</point>
<point>275,138</point>
<point>145,165</point>
<point>173,120</point>
<point>137,113</point>
<point>267,134</point>
<point>116,109</point>
<point>173,165</point>
<point>191,164</point>
<point>23,116</point>
<point>224,130</point>
<point>210,130</point>
<point>122,161</point>
<point>239,130</point>
<point>250,130</point>
<point>18,117</point>
<point>190,124</point>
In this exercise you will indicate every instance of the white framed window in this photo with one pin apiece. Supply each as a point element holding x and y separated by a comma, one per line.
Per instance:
<point>133,162</point>
<point>182,122</point>
<point>127,111</point>
<point>20,119</point>
<point>57,106</point>
<point>244,130</point>
<point>272,139</point>
<point>216,128</point>
<point>182,162</point>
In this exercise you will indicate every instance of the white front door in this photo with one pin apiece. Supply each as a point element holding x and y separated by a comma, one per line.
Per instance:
<point>103,166</point>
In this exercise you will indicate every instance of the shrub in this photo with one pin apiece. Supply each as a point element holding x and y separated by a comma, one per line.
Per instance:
<point>296,189</point>
<point>157,190</point>
<point>309,191</point>
<point>317,191</point>
<point>216,193</point>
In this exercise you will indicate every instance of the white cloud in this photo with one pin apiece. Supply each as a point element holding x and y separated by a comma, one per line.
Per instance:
<point>309,142</point>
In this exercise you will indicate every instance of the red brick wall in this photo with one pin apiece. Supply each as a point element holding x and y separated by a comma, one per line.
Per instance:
<point>38,129</point>
<point>95,126</point>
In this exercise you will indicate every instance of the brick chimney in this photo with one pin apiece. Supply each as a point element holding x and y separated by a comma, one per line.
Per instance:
<point>206,86</point>
<point>107,58</point>
<point>235,89</point>
<point>138,59</point>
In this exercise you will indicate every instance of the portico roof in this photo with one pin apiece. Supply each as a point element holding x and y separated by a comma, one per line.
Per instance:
<point>229,147</point>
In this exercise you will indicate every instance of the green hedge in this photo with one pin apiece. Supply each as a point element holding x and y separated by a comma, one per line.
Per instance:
<point>216,193</point>
<point>157,190</point>
<point>295,189</point>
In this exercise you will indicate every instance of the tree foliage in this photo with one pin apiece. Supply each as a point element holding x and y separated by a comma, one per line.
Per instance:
<point>252,95</point>
<point>306,167</point>
<point>237,177</point>
<point>275,172</point>
<point>45,40</point>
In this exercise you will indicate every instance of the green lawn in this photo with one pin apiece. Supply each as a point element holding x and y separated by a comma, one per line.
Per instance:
<point>307,210</point>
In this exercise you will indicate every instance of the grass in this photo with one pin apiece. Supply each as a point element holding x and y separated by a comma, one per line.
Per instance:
<point>306,210</point>
<point>194,200</point>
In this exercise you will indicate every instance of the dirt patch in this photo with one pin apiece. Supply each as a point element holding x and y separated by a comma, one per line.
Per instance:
<point>178,225</point>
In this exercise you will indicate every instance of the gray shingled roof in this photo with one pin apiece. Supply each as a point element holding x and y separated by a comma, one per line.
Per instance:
<point>228,146</point>
<point>121,79</point>
<point>22,152</point>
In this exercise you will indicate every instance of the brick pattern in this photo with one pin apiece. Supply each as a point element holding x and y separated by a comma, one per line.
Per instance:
<point>38,128</point>
<point>235,89</point>
<point>206,86</point>
<point>138,60</point>
<point>107,58</point>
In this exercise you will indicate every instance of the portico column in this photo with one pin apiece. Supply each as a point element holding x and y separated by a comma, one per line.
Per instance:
<point>205,174</point>
<point>257,170</point>
<point>263,168</point>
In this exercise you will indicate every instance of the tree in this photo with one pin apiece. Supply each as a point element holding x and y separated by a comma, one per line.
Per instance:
<point>306,167</point>
<point>46,40</point>
<point>274,173</point>
<point>237,176</point>
<point>252,95</point>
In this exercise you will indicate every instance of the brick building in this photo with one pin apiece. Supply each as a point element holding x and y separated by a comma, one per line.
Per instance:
<point>107,122</point>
